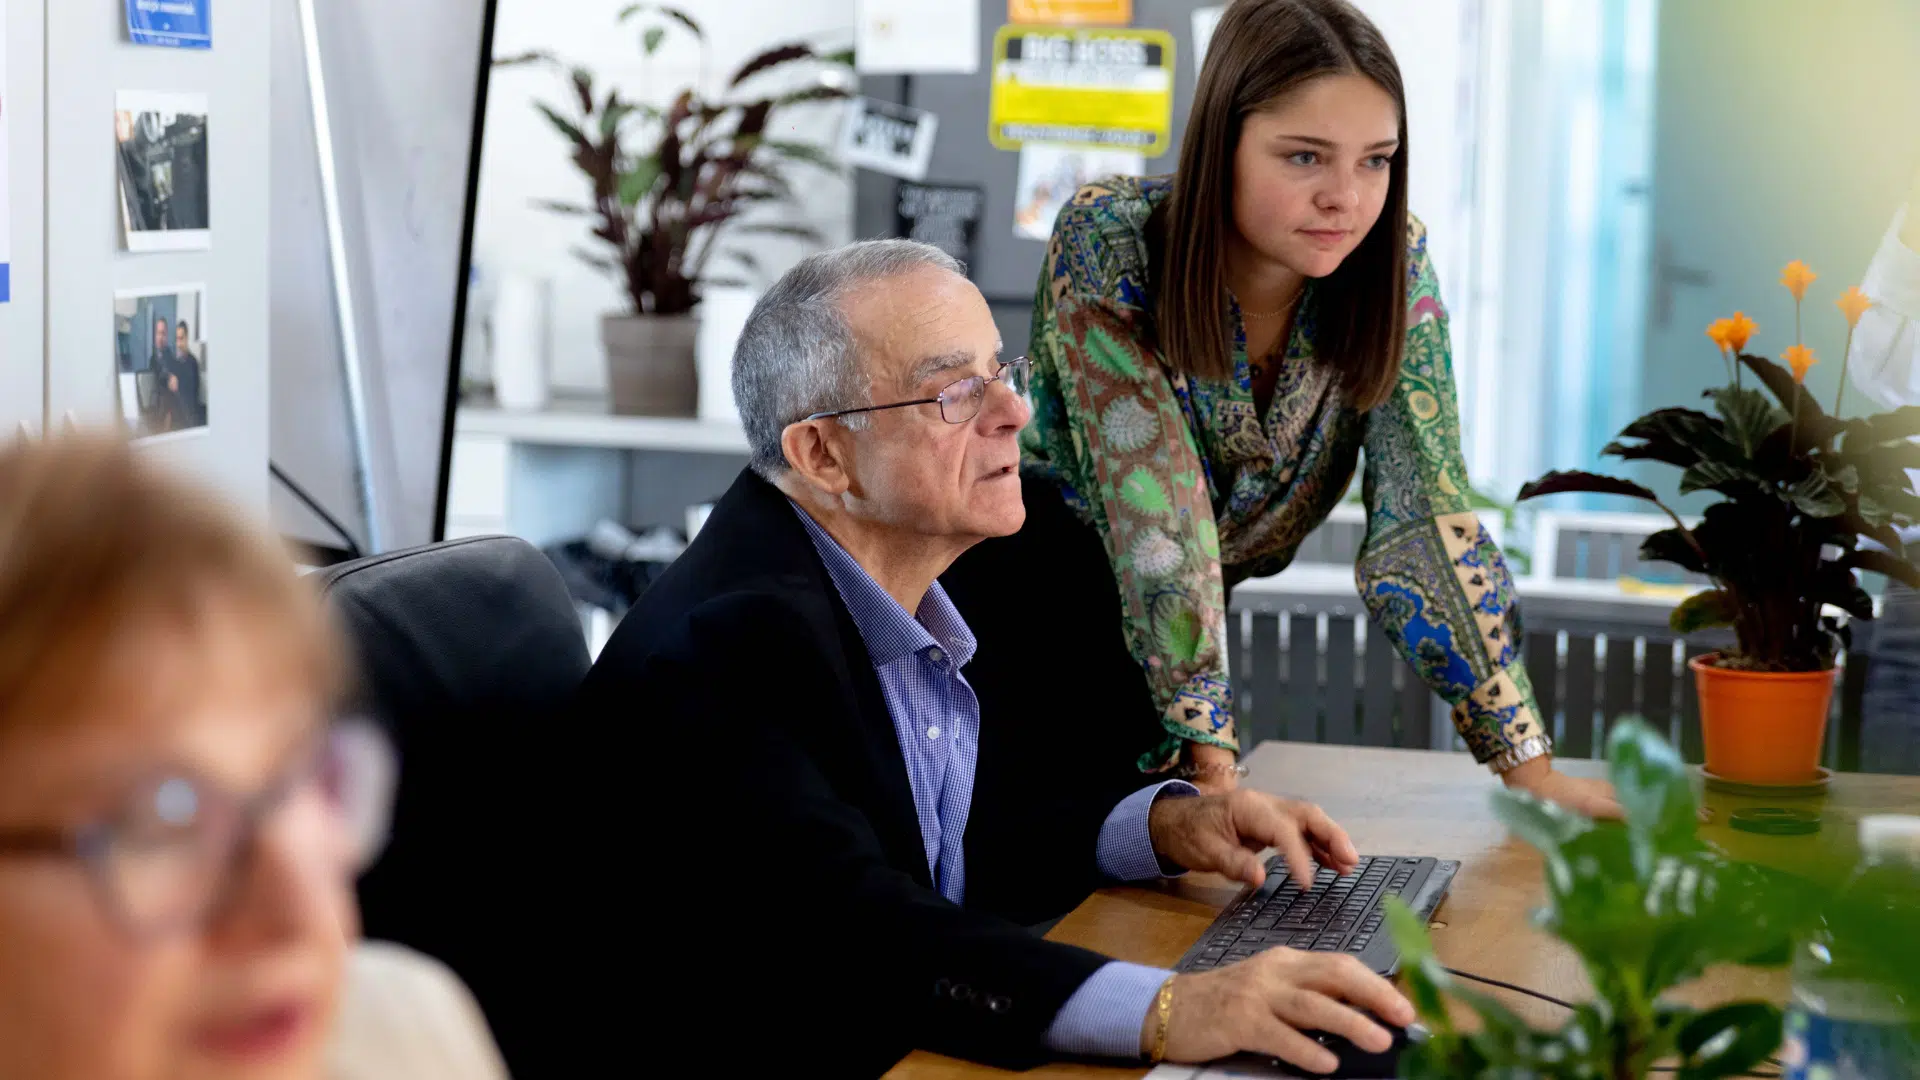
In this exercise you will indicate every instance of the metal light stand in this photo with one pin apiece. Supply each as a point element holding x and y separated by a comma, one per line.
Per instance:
<point>344,318</point>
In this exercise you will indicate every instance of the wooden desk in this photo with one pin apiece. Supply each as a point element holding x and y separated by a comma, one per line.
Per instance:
<point>1421,802</point>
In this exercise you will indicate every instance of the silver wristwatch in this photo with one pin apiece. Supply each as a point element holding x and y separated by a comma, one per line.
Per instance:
<point>1528,749</point>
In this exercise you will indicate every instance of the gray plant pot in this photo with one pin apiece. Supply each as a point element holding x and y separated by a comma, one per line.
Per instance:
<point>650,369</point>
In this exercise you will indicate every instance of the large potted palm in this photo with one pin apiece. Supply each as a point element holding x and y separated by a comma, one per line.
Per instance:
<point>666,185</point>
<point>1800,492</point>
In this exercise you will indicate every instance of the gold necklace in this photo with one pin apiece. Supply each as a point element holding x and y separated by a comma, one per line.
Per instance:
<point>1287,310</point>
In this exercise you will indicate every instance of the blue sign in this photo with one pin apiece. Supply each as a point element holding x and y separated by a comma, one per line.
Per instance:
<point>6,287</point>
<point>173,24</point>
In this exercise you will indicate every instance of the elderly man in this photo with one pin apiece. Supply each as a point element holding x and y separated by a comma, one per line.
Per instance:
<point>875,783</point>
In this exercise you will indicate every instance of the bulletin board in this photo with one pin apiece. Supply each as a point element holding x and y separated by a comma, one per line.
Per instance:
<point>68,67</point>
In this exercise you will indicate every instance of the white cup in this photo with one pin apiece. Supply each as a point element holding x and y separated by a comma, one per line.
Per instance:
<point>520,307</point>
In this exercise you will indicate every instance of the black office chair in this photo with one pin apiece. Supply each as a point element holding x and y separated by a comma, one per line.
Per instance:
<point>470,653</point>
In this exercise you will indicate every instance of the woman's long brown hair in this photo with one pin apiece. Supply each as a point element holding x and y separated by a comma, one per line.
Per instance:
<point>1261,50</point>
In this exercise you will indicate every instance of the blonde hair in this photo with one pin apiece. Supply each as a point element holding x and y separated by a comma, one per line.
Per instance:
<point>96,542</point>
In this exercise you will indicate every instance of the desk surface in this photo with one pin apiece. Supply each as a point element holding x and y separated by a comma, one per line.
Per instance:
<point>1420,802</point>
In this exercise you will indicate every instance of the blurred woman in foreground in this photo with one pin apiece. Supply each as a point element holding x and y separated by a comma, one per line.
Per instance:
<point>180,817</point>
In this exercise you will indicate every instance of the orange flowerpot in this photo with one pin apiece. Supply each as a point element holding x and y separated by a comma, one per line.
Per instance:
<point>1762,727</point>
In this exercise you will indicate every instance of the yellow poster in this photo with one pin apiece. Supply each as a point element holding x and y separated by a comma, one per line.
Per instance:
<point>1097,89</point>
<point>1070,12</point>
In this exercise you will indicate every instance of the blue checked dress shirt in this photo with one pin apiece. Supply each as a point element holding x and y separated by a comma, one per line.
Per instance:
<point>936,719</point>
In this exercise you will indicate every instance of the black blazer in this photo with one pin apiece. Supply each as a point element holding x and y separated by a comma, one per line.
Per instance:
<point>774,771</point>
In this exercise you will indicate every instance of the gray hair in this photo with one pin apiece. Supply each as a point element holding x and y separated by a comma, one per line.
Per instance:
<point>797,355</point>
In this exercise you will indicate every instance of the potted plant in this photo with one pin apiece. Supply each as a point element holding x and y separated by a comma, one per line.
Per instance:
<point>1800,489</point>
<point>666,184</point>
<point>1647,907</point>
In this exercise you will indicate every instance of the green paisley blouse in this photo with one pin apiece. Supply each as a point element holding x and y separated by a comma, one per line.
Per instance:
<point>1193,490</point>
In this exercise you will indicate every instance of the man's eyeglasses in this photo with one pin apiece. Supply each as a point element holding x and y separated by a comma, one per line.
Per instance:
<point>959,401</point>
<point>168,857</point>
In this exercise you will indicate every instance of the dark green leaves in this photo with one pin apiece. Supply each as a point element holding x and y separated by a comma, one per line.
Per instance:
<point>1719,476</point>
<point>806,153</point>
<point>1670,452</point>
<point>564,126</point>
<point>1814,427</point>
<point>673,13</point>
<point>1879,562</point>
<point>1898,426</point>
<point>1728,1041</point>
<point>1815,497</point>
<point>1671,545</point>
<point>1749,416</point>
<point>637,183</point>
<point>772,58</point>
<point>1692,429</point>
<point>1561,482</point>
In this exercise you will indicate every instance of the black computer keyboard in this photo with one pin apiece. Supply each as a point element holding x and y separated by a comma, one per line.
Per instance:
<point>1340,914</point>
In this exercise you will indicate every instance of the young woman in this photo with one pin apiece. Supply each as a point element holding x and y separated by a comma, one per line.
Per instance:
<point>1213,350</point>
<point>180,821</point>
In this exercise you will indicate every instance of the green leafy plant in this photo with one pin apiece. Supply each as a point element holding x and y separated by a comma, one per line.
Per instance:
<point>1800,488</point>
<point>666,183</point>
<point>1647,907</point>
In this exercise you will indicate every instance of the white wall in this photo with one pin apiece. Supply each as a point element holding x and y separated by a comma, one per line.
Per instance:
<point>400,82</point>
<point>88,61</point>
<point>524,159</point>
<point>22,352</point>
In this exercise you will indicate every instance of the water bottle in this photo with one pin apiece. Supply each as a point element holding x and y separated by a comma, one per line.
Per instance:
<point>1843,1023</point>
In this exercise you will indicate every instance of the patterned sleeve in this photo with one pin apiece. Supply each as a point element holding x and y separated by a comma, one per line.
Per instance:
<point>1430,574</point>
<point>1110,426</point>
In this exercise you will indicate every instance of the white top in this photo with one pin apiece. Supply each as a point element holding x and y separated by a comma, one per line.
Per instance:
<point>1884,361</point>
<point>405,1015</point>
<point>1891,838</point>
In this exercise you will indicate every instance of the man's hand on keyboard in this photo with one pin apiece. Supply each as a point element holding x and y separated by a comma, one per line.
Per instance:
<point>1263,1004</point>
<point>1227,833</point>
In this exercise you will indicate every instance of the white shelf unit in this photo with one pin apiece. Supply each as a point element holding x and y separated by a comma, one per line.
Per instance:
<point>590,424</point>
<point>550,473</point>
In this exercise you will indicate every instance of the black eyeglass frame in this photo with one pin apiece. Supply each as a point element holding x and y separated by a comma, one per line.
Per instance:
<point>999,375</point>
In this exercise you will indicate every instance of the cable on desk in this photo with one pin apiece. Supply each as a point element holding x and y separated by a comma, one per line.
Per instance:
<point>1548,998</point>
<point>1551,1000</point>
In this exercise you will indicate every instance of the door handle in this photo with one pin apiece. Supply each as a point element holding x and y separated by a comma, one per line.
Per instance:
<point>1668,276</point>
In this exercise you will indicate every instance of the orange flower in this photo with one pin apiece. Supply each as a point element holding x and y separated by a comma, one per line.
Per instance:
<point>1853,303</point>
<point>1796,277</point>
<point>1739,329</point>
<point>1718,330</point>
<point>1800,358</point>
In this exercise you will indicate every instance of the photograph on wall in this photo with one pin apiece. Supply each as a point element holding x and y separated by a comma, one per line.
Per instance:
<point>160,347</point>
<point>1049,175</point>
<point>888,138</point>
<point>171,24</point>
<point>944,215</point>
<point>162,140</point>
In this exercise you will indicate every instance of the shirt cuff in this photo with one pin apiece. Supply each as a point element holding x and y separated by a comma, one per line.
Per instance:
<point>1124,850</point>
<point>1104,1017</point>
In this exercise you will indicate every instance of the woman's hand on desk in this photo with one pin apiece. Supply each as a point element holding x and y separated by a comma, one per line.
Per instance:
<point>1594,798</point>
<point>1227,833</point>
<point>1263,1004</point>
